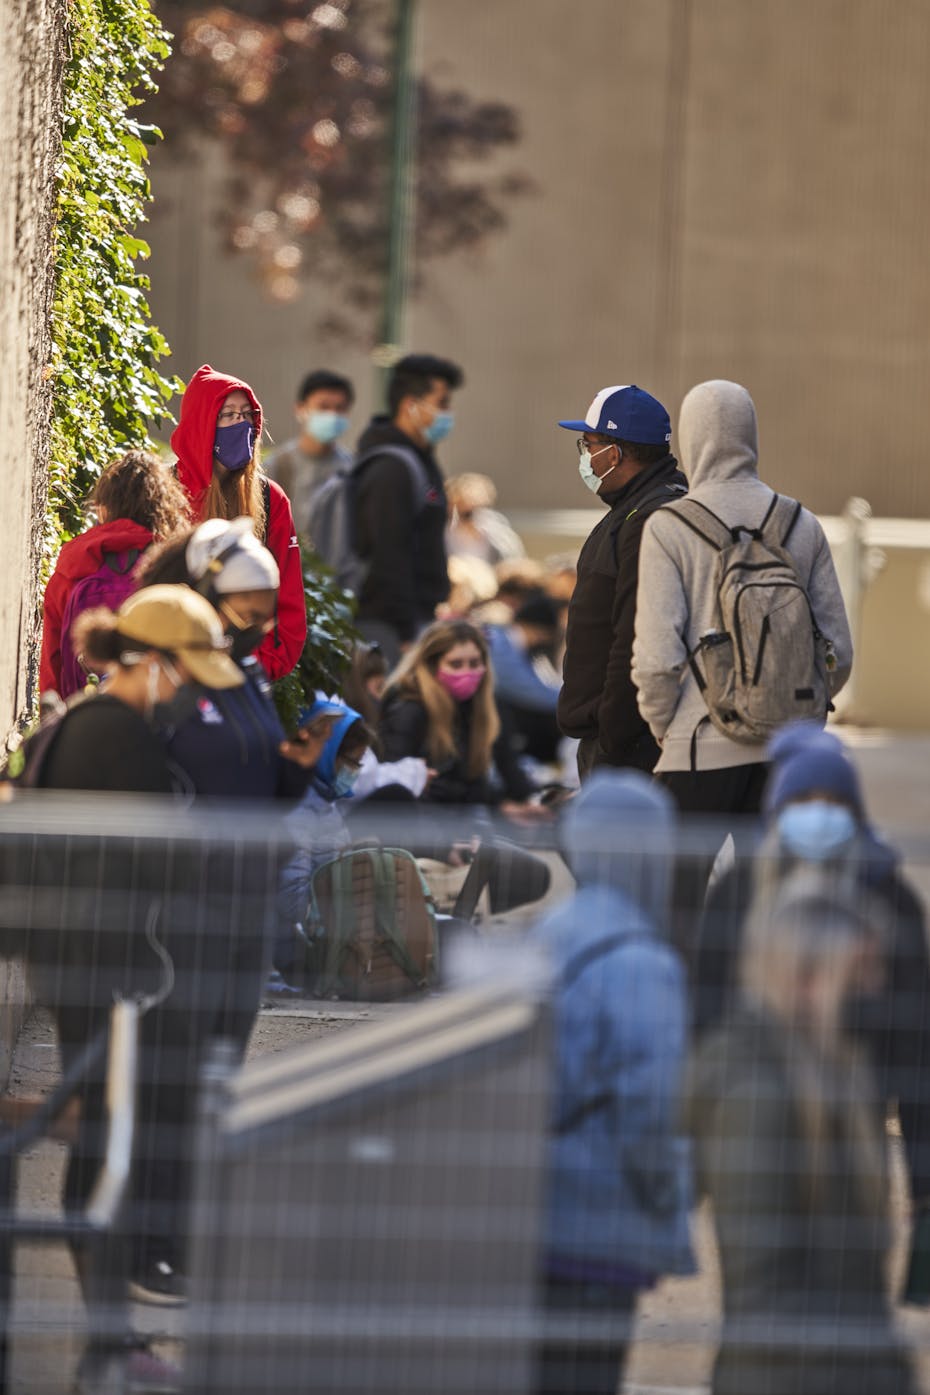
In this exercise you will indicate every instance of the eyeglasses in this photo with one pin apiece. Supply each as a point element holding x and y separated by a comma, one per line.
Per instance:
<point>582,445</point>
<point>229,415</point>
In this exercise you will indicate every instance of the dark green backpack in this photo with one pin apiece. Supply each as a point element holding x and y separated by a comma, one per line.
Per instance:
<point>370,927</point>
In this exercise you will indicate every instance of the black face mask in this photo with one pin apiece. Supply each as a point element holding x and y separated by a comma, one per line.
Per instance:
<point>243,639</point>
<point>169,716</point>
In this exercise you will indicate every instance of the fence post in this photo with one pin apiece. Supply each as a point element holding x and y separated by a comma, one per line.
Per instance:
<point>857,565</point>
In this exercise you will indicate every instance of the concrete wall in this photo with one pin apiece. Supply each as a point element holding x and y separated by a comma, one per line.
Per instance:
<point>723,189</point>
<point>30,70</point>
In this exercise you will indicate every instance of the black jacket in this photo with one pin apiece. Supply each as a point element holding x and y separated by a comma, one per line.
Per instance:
<point>598,698</point>
<point>403,547</point>
<point>404,732</point>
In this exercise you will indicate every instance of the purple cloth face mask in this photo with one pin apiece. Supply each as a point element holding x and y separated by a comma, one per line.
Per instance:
<point>233,446</point>
<point>461,686</point>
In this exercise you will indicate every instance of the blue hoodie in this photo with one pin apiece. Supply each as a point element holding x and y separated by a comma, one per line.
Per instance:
<point>619,1176</point>
<point>316,825</point>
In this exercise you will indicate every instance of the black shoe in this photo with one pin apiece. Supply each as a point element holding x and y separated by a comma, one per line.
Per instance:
<point>159,1282</point>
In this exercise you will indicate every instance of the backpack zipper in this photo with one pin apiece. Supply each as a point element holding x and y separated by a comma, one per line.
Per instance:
<point>762,638</point>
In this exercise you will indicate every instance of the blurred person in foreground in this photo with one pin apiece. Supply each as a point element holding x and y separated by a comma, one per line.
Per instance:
<point>119,913</point>
<point>475,527</point>
<point>791,1149</point>
<point>619,1180</point>
<point>224,745</point>
<point>625,460</point>
<point>218,445</point>
<point>301,465</point>
<point>816,817</point>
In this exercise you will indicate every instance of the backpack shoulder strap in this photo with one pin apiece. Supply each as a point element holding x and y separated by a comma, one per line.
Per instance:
<point>384,864</point>
<point>702,521</point>
<point>266,501</point>
<point>781,518</point>
<point>415,468</point>
<point>122,562</point>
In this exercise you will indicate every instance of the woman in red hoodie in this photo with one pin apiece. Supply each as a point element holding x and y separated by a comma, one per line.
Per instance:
<point>136,500</point>
<point>217,445</point>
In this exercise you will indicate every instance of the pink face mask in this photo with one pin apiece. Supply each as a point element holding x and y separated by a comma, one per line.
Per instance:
<point>461,686</point>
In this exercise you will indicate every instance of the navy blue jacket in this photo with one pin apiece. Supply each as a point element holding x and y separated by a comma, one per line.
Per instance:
<point>228,747</point>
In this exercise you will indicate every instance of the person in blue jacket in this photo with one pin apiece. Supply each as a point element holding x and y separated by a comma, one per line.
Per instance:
<point>618,1173</point>
<point>317,826</point>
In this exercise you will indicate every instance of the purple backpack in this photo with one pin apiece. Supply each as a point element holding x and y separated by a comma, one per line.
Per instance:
<point>108,586</point>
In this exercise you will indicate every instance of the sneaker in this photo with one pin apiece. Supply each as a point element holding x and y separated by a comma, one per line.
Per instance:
<point>131,1368</point>
<point>160,1283</point>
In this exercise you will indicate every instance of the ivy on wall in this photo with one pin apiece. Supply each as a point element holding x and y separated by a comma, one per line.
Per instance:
<point>108,391</point>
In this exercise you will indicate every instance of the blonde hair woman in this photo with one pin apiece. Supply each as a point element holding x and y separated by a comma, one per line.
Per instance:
<point>791,1149</point>
<point>439,704</point>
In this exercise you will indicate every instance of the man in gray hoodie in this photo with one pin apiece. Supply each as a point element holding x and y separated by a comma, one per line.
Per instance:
<point>707,771</point>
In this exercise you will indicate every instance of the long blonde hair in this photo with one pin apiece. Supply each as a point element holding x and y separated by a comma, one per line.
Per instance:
<point>415,677</point>
<point>236,494</point>
<point>805,926</point>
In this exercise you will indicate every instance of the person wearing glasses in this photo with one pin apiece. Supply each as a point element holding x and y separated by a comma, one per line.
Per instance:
<point>217,443</point>
<point>623,458</point>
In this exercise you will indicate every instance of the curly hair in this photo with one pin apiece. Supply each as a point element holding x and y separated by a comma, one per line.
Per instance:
<point>140,487</point>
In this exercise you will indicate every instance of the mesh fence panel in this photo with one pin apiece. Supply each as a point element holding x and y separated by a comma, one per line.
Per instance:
<point>367,1202</point>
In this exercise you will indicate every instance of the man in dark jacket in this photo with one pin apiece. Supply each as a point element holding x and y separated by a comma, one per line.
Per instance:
<point>623,458</point>
<point>399,505</point>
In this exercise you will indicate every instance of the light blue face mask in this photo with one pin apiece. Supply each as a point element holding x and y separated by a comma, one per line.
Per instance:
<point>586,469</point>
<point>345,782</point>
<point>816,830</point>
<point>326,426</point>
<point>439,427</point>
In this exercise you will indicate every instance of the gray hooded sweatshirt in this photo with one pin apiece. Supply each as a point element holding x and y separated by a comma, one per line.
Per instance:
<point>718,443</point>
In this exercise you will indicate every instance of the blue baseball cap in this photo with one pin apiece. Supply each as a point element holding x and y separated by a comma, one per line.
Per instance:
<point>628,413</point>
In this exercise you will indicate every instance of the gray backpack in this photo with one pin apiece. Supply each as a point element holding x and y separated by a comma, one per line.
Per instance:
<point>765,662</point>
<point>330,522</point>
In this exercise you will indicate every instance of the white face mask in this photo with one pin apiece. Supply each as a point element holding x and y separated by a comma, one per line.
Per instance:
<point>586,469</point>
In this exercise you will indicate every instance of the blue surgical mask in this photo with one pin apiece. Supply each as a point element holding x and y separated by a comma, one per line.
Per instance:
<point>345,782</point>
<point>326,426</point>
<point>816,830</point>
<point>439,427</point>
<point>234,445</point>
<point>586,469</point>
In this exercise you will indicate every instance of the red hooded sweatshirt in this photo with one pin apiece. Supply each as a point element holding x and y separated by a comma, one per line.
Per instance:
<point>80,557</point>
<point>192,443</point>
